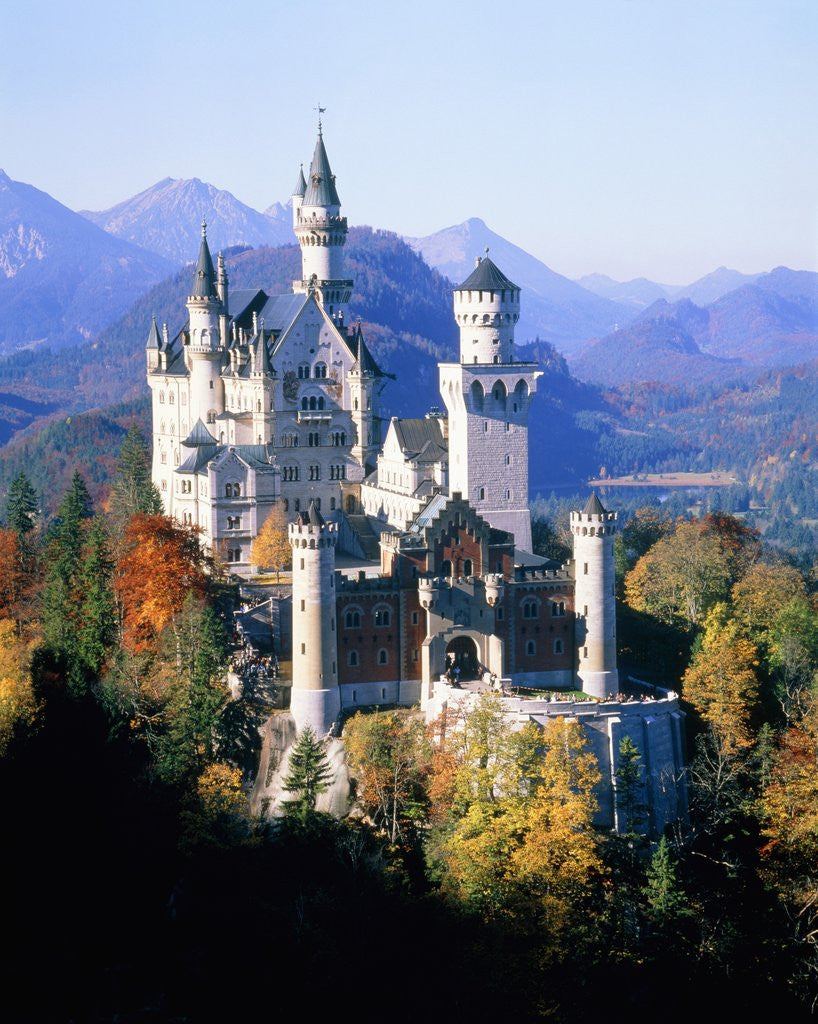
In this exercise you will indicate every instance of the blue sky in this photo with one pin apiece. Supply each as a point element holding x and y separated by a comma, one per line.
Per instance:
<point>653,138</point>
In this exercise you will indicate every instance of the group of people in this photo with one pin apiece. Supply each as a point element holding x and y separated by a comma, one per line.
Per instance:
<point>250,665</point>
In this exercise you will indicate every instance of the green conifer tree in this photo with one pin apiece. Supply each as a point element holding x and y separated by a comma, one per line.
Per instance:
<point>196,645</point>
<point>22,507</point>
<point>630,806</point>
<point>62,599</point>
<point>663,893</point>
<point>97,626</point>
<point>310,774</point>
<point>132,490</point>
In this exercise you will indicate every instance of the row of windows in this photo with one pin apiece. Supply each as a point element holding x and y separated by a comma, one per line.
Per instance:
<point>297,504</point>
<point>531,647</point>
<point>232,490</point>
<point>337,439</point>
<point>481,493</point>
<point>531,608</point>
<point>312,403</point>
<point>383,658</point>
<point>319,371</point>
<point>380,617</point>
<point>171,398</point>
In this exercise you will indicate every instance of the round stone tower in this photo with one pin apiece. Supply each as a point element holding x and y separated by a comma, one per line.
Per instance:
<point>316,699</point>
<point>204,309</point>
<point>321,232</point>
<point>486,308</point>
<point>595,598</point>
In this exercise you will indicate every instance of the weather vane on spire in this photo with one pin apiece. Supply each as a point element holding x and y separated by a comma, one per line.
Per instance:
<point>321,110</point>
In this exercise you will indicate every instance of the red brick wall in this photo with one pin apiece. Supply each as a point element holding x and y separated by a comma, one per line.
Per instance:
<point>544,629</point>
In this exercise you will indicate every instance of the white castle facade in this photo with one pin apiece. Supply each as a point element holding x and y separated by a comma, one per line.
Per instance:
<point>259,401</point>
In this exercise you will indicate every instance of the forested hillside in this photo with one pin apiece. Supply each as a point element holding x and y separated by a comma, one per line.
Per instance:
<point>125,764</point>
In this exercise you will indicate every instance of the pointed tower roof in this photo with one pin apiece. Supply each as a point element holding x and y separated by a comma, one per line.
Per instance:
<point>261,356</point>
<point>320,190</point>
<point>204,280</point>
<point>364,363</point>
<point>315,517</point>
<point>594,507</point>
<point>486,276</point>
<point>301,184</point>
<point>154,339</point>
<point>198,436</point>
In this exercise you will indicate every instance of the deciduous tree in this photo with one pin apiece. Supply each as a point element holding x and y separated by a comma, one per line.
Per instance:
<point>161,562</point>
<point>271,548</point>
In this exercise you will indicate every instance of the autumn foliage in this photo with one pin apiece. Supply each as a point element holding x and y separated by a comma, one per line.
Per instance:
<point>161,563</point>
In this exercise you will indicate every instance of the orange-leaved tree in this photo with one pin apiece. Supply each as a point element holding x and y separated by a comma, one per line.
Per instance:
<point>160,564</point>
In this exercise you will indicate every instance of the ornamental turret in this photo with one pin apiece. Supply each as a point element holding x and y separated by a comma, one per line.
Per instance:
<point>593,532</point>
<point>321,232</point>
<point>204,308</point>
<point>486,308</point>
<point>315,697</point>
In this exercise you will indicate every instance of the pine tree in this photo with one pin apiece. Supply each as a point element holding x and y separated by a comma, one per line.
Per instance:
<point>630,806</point>
<point>132,490</point>
<point>310,774</point>
<point>62,599</point>
<point>21,505</point>
<point>664,895</point>
<point>97,628</point>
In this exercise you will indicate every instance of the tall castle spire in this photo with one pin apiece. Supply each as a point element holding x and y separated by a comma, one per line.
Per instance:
<point>321,232</point>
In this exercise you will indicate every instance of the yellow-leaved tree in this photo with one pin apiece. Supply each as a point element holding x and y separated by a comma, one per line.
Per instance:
<point>271,548</point>
<point>721,682</point>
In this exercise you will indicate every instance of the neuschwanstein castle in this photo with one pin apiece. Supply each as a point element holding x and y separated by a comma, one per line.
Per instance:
<point>261,399</point>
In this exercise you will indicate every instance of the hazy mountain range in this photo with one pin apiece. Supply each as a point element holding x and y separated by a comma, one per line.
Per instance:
<point>166,219</point>
<point>62,278</point>
<point>66,276</point>
<point>770,322</point>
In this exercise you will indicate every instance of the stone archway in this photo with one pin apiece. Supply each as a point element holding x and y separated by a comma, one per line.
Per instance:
<point>462,653</point>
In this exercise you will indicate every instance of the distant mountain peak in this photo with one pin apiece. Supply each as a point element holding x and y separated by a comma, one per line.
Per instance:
<point>166,219</point>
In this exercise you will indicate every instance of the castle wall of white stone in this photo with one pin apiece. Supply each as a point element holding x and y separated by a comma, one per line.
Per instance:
<point>315,696</point>
<point>486,320</point>
<point>595,602</point>
<point>488,410</point>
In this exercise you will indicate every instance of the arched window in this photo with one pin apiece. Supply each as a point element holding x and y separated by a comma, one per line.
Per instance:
<point>352,618</point>
<point>558,648</point>
<point>530,647</point>
<point>320,370</point>
<point>481,494</point>
<point>228,490</point>
<point>161,397</point>
<point>530,609</point>
<point>352,659</point>
<point>170,398</point>
<point>467,567</point>
<point>383,656</point>
<point>304,404</point>
<point>381,616</point>
<point>446,567</point>
<point>557,608</point>
<point>320,403</point>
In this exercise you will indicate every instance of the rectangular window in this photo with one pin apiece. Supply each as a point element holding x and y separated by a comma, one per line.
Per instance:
<point>303,648</point>
<point>585,568</point>
<point>414,654</point>
<point>303,605</point>
<point>414,618</point>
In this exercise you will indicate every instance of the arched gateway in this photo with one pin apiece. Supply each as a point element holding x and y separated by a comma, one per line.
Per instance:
<point>462,653</point>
